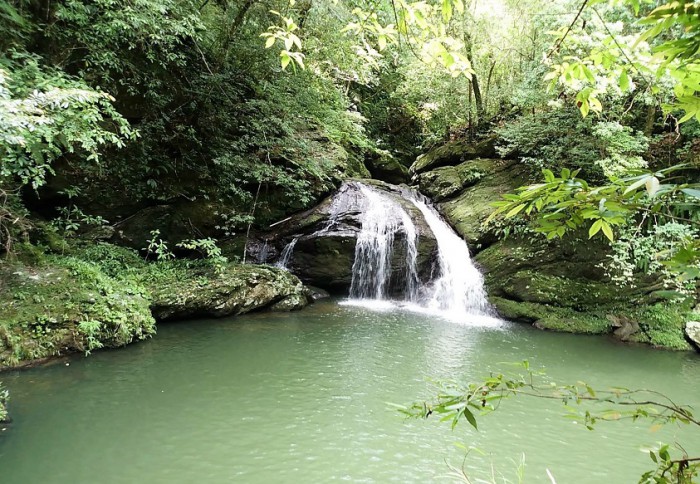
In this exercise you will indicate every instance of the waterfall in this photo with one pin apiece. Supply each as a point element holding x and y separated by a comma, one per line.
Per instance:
<point>286,254</point>
<point>382,219</point>
<point>457,288</point>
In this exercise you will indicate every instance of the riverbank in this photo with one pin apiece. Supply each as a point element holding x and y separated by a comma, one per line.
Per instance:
<point>104,296</point>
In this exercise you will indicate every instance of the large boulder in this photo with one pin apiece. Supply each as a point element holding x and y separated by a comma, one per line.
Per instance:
<point>383,166</point>
<point>692,332</point>
<point>454,153</point>
<point>232,290</point>
<point>325,237</point>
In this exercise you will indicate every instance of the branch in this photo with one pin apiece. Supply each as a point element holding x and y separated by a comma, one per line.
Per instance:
<point>571,26</point>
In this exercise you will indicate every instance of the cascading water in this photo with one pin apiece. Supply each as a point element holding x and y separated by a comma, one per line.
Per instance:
<point>382,219</point>
<point>457,291</point>
<point>286,254</point>
<point>459,288</point>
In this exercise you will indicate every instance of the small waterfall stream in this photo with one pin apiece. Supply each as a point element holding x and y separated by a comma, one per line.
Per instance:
<point>382,220</point>
<point>286,254</point>
<point>457,289</point>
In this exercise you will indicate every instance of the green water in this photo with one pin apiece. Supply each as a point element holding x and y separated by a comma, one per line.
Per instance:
<point>301,397</point>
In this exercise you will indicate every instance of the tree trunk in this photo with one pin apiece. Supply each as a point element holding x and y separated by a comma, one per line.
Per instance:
<point>478,99</point>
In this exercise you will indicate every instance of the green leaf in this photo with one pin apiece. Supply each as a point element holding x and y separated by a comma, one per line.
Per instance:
<point>691,192</point>
<point>607,230</point>
<point>595,228</point>
<point>470,418</point>
<point>624,80</point>
<point>514,211</point>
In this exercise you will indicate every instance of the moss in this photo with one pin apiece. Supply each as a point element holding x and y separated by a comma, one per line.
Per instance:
<point>468,211</point>
<point>105,296</point>
<point>67,304</point>
<point>659,324</point>
<point>183,289</point>
<point>553,318</point>
<point>663,325</point>
<point>453,153</point>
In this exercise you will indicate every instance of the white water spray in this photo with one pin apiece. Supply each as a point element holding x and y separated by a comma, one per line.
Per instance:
<point>457,291</point>
<point>286,254</point>
<point>382,219</point>
<point>459,288</point>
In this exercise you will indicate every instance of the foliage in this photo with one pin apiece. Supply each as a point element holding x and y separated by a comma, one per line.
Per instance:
<point>39,125</point>
<point>455,402</point>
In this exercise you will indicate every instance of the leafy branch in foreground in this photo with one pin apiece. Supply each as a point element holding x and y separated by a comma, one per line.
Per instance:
<point>454,402</point>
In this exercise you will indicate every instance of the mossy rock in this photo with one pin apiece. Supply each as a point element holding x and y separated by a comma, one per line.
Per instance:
<point>64,305</point>
<point>385,167</point>
<point>447,181</point>
<point>234,289</point>
<point>454,153</point>
<point>471,206</point>
<point>553,318</point>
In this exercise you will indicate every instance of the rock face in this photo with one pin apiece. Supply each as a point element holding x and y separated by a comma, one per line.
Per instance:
<point>454,153</point>
<point>325,236</point>
<point>236,290</point>
<point>385,167</point>
<point>558,285</point>
<point>692,332</point>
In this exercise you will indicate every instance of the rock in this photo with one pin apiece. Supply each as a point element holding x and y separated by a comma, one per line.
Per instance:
<point>447,181</point>
<point>237,289</point>
<point>692,332</point>
<point>316,293</point>
<point>324,250</point>
<point>454,153</point>
<point>385,167</point>
<point>625,327</point>
<point>470,205</point>
<point>176,222</point>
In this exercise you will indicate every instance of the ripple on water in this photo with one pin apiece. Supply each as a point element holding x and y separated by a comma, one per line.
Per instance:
<point>302,397</point>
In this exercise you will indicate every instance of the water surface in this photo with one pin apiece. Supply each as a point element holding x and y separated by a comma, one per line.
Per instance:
<point>301,397</point>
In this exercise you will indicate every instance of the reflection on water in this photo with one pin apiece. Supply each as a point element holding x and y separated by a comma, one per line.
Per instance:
<point>302,397</point>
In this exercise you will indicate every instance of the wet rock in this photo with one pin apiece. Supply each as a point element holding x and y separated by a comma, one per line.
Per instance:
<point>326,236</point>
<point>316,293</point>
<point>692,332</point>
<point>624,327</point>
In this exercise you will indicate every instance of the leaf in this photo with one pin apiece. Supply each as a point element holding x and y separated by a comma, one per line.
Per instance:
<point>470,418</point>
<point>285,59</point>
<point>693,192</point>
<point>607,230</point>
<point>584,108</point>
<point>624,80</point>
<point>514,211</point>
<point>269,42</point>
<point>652,186</point>
<point>595,228</point>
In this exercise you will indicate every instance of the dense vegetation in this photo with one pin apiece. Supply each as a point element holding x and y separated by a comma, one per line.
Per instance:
<point>180,127</point>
